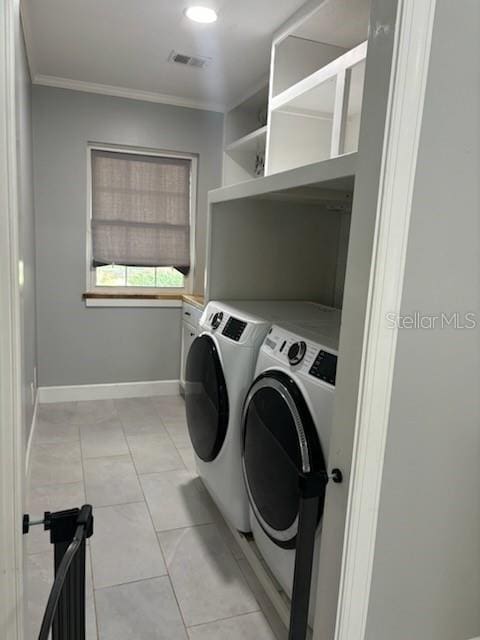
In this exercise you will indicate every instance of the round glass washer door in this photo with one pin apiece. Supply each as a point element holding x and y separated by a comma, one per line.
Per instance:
<point>280,442</point>
<point>206,398</point>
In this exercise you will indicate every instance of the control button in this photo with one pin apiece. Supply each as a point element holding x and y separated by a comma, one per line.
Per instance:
<point>297,352</point>
<point>217,320</point>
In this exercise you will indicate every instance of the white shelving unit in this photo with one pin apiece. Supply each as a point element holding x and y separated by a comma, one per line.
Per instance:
<point>250,142</point>
<point>245,137</point>
<point>316,80</point>
<point>307,230</point>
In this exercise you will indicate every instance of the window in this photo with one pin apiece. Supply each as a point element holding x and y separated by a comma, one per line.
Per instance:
<point>141,220</point>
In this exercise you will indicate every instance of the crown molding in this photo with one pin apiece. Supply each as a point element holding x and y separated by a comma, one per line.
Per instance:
<point>124,92</point>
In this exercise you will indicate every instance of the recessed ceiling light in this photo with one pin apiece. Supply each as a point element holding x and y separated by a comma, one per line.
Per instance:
<point>204,15</point>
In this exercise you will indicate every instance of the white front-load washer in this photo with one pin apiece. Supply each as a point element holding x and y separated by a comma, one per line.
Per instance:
<point>287,420</point>
<point>220,368</point>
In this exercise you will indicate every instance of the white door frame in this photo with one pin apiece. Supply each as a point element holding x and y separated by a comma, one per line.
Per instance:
<point>404,117</point>
<point>11,424</point>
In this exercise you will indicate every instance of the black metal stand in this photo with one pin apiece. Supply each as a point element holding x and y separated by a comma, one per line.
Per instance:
<point>65,611</point>
<point>312,491</point>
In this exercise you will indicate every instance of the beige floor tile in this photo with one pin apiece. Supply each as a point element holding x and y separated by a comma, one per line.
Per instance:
<point>205,576</point>
<point>111,480</point>
<point>90,411</point>
<point>268,610</point>
<point>124,547</point>
<point>139,415</point>
<point>56,463</point>
<point>188,457</point>
<point>46,431</point>
<point>176,499</point>
<point>170,407</point>
<point>144,610</point>
<point>105,438</point>
<point>57,412</point>
<point>154,453</point>
<point>178,432</point>
<point>252,626</point>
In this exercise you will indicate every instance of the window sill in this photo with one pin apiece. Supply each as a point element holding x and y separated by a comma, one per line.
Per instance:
<point>133,299</point>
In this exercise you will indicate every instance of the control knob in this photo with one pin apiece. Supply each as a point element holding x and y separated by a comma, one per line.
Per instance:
<point>297,352</point>
<point>217,320</point>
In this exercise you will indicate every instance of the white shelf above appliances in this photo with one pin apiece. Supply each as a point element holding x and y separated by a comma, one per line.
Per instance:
<point>316,84</point>
<point>318,117</point>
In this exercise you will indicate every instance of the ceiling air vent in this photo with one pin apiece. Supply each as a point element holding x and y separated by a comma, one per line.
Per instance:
<point>190,61</point>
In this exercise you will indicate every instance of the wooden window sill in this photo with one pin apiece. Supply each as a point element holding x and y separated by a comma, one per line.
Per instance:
<point>95,299</point>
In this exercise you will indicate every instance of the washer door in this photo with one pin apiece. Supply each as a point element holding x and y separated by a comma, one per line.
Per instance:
<point>206,398</point>
<point>280,441</point>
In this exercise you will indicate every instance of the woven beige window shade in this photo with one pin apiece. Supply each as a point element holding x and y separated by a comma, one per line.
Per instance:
<point>140,210</point>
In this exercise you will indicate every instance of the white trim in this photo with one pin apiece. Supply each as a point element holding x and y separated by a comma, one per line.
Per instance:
<point>340,112</point>
<point>407,92</point>
<point>189,279</point>
<point>11,420</point>
<point>28,39</point>
<point>132,302</point>
<point>124,92</point>
<point>31,437</point>
<point>108,391</point>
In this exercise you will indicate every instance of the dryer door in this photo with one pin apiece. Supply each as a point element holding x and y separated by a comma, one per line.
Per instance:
<point>206,398</point>
<point>279,442</point>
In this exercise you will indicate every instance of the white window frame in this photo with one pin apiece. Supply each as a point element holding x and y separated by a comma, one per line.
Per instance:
<point>92,287</point>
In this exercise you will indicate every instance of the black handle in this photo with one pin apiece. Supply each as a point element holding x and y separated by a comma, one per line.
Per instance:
<point>312,495</point>
<point>65,611</point>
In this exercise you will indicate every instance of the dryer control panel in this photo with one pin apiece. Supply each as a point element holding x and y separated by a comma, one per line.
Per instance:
<point>301,354</point>
<point>325,367</point>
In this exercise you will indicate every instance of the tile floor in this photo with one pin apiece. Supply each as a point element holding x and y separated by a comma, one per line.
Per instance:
<point>162,563</point>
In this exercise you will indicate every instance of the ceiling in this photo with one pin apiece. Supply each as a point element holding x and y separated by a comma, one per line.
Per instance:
<point>122,47</point>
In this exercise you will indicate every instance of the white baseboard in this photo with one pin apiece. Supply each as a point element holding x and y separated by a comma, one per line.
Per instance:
<point>109,391</point>
<point>31,436</point>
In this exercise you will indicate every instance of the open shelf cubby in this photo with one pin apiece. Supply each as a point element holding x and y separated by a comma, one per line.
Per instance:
<point>317,87</point>
<point>245,138</point>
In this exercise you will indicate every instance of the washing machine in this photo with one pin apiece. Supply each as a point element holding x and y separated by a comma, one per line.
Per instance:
<point>219,370</point>
<point>287,421</point>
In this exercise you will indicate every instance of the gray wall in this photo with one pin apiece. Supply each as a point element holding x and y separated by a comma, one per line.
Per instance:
<point>27,225</point>
<point>79,345</point>
<point>426,574</point>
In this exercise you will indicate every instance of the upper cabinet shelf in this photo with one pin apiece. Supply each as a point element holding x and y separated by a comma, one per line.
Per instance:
<point>310,110</point>
<point>321,181</point>
<point>245,138</point>
<point>317,79</point>
<point>251,142</point>
<point>315,94</point>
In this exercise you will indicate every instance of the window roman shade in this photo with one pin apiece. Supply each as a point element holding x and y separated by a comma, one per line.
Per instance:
<point>140,210</point>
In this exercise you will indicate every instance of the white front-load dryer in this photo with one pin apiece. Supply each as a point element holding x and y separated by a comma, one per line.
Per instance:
<point>220,369</point>
<point>287,422</point>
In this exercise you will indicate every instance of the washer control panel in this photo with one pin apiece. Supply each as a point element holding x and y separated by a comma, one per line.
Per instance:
<point>302,355</point>
<point>234,328</point>
<point>325,367</point>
